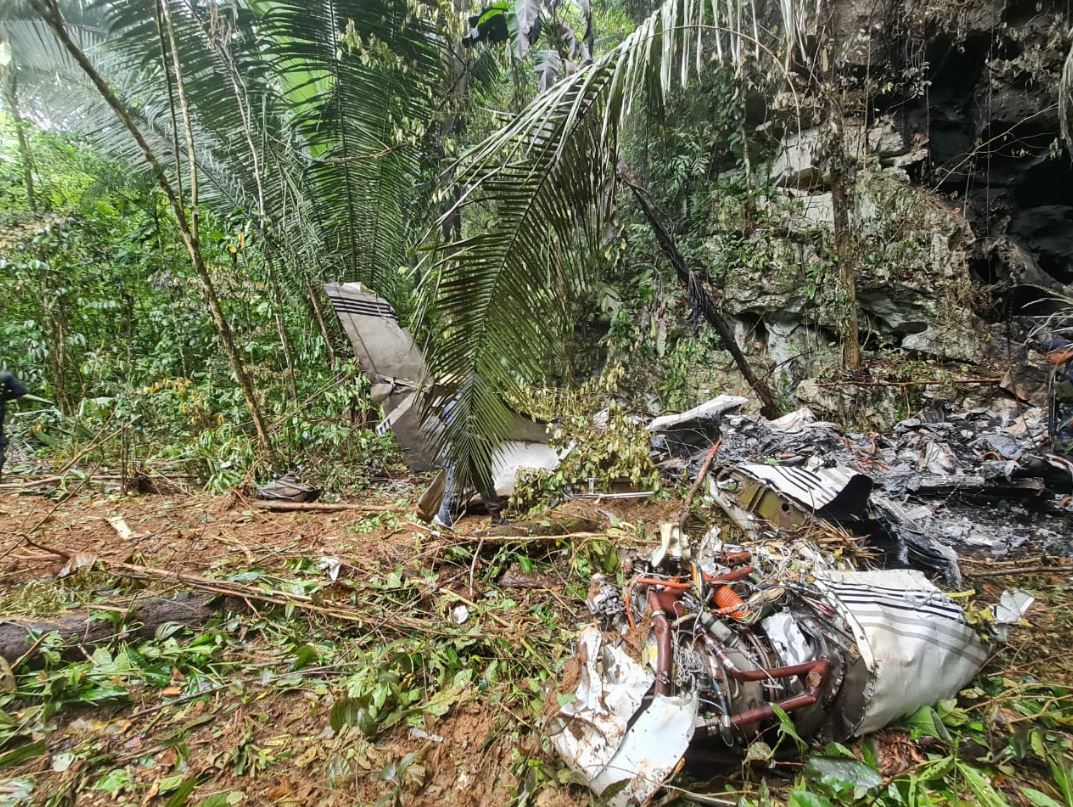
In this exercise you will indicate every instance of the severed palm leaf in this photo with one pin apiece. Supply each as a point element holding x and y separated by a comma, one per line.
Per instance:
<point>545,185</point>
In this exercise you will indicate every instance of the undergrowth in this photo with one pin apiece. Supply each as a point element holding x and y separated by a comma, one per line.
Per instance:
<point>199,700</point>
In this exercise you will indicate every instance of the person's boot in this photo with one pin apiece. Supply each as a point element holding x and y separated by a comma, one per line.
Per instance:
<point>495,511</point>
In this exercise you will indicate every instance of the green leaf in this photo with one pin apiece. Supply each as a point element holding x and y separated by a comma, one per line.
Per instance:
<point>223,799</point>
<point>1039,799</point>
<point>981,786</point>
<point>787,729</point>
<point>181,796</point>
<point>114,781</point>
<point>925,722</point>
<point>806,798</point>
<point>16,756</point>
<point>304,656</point>
<point>1063,777</point>
<point>843,776</point>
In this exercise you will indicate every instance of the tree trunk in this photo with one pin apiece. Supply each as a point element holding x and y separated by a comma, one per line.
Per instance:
<point>281,324</point>
<point>50,12</point>
<point>222,324</point>
<point>842,179</point>
<point>703,301</point>
<point>25,155</point>
<point>318,316</point>
<point>53,307</point>
<point>78,630</point>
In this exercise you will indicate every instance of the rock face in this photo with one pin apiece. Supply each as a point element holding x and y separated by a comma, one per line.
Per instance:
<point>913,286</point>
<point>963,198</point>
<point>987,121</point>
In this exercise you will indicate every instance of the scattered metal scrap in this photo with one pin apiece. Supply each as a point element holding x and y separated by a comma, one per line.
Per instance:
<point>708,641</point>
<point>974,479</point>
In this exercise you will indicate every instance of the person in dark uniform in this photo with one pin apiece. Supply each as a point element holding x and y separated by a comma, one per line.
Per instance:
<point>10,390</point>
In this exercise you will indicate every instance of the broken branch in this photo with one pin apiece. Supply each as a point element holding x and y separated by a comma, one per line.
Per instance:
<point>319,507</point>
<point>683,514</point>
<point>21,640</point>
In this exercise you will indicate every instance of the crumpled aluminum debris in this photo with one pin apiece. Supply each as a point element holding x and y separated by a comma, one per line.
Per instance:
<point>702,652</point>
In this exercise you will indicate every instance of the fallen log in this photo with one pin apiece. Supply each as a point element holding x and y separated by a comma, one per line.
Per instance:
<point>319,507</point>
<point>20,639</point>
<point>79,561</point>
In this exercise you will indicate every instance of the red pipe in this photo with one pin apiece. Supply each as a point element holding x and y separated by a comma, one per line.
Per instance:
<point>671,585</point>
<point>727,600</point>
<point>670,602</point>
<point>737,558</point>
<point>815,672</point>
<point>664,654</point>
<point>820,665</point>
<point>750,716</point>
<point>730,577</point>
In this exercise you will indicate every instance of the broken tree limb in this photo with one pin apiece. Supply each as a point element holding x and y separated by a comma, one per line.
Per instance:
<point>319,507</point>
<point>930,383</point>
<point>701,298</point>
<point>248,593</point>
<point>683,514</point>
<point>21,640</point>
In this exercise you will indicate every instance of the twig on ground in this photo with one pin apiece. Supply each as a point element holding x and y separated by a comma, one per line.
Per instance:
<point>274,597</point>
<point>321,507</point>
<point>1021,570</point>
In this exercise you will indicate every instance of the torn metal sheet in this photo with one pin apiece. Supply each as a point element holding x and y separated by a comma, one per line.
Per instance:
<point>975,479</point>
<point>394,364</point>
<point>762,497</point>
<point>915,641</point>
<point>588,730</point>
<point>650,752</point>
<point>1011,607</point>
<point>833,489</point>
<point>684,434</point>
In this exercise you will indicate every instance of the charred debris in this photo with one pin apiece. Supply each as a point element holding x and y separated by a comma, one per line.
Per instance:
<point>826,608</point>
<point>824,603</point>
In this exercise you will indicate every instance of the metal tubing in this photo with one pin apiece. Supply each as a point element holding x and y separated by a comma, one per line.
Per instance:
<point>815,672</point>
<point>730,577</point>
<point>664,653</point>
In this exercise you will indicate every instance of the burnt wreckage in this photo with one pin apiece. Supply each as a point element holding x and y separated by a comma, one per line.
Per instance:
<point>826,610</point>
<point>709,643</point>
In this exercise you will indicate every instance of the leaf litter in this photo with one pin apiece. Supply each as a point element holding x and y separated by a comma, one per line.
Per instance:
<point>271,705</point>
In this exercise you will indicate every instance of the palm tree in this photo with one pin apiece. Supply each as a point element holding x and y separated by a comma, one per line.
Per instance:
<point>546,181</point>
<point>304,117</point>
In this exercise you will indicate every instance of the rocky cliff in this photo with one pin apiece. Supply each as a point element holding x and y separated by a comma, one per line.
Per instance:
<point>962,198</point>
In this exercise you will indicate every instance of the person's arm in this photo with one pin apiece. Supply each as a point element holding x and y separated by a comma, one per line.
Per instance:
<point>10,388</point>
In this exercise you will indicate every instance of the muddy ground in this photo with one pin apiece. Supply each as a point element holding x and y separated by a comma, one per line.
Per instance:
<point>480,620</point>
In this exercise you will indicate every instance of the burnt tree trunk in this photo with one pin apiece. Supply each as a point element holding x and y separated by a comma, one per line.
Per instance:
<point>702,301</point>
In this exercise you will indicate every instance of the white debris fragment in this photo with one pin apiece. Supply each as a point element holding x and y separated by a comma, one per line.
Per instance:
<point>331,565</point>
<point>1012,605</point>
<point>460,614</point>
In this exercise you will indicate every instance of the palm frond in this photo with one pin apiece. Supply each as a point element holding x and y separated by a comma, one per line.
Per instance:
<point>545,184</point>
<point>1065,101</point>
<point>359,77</point>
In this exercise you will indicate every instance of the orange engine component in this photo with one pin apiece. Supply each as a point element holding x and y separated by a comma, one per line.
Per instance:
<point>729,601</point>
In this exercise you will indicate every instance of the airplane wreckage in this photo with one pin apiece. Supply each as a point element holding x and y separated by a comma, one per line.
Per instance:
<point>709,642</point>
